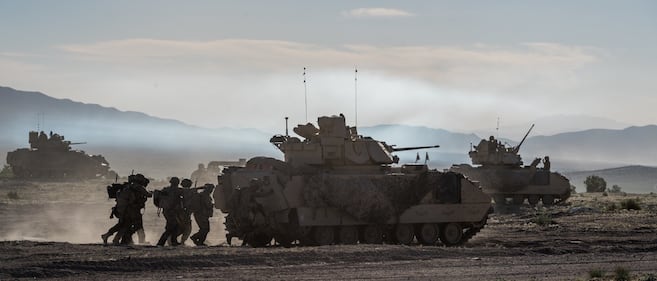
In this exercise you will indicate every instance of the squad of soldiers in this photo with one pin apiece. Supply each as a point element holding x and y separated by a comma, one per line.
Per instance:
<point>177,202</point>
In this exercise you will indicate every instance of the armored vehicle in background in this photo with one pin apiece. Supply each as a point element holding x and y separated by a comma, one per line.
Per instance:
<point>501,174</point>
<point>51,157</point>
<point>208,174</point>
<point>338,187</point>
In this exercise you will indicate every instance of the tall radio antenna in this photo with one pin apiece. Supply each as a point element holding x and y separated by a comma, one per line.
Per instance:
<point>305,93</point>
<point>356,96</point>
<point>497,129</point>
<point>40,120</point>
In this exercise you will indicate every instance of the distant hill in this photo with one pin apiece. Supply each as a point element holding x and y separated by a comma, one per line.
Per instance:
<point>556,124</point>
<point>129,140</point>
<point>164,147</point>
<point>632,179</point>
<point>598,148</point>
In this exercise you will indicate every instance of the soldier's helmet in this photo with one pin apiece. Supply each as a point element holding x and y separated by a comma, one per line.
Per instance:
<point>174,181</point>
<point>141,179</point>
<point>132,178</point>
<point>201,166</point>
<point>186,183</point>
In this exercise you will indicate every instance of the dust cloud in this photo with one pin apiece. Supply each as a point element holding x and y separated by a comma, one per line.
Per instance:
<point>74,213</point>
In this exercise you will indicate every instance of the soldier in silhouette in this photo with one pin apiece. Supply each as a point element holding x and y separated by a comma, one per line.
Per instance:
<point>202,215</point>
<point>171,206</point>
<point>130,200</point>
<point>184,217</point>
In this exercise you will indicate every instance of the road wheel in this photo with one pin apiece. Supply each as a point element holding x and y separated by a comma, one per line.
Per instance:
<point>533,199</point>
<point>372,234</point>
<point>348,235</point>
<point>324,235</point>
<point>499,199</point>
<point>518,199</point>
<point>404,234</point>
<point>451,234</point>
<point>548,200</point>
<point>428,234</point>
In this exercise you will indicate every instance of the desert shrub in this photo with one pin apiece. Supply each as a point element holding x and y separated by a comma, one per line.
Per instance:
<point>615,189</point>
<point>12,195</point>
<point>542,219</point>
<point>648,277</point>
<point>605,194</point>
<point>573,189</point>
<point>621,274</point>
<point>6,172</point>
<point>595,184</point>
<point>596,273</point>
<point>630,204</point>
<point>612,207</point>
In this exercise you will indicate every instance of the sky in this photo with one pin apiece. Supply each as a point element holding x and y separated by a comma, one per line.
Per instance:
<point>456,65</point>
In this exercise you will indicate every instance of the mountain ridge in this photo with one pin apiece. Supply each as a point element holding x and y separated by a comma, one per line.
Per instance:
<point>174,146</point>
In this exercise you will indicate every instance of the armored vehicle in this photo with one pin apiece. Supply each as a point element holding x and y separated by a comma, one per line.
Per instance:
<point>208,174</point>
<point>51,157</point>
<point>338,187</point>
<point>501,174</point>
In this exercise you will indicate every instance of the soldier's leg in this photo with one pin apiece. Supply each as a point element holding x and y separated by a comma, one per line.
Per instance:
<point>203,223</point>
<point>110,231</point>
<point>141,235</point>
<point>169,230</point>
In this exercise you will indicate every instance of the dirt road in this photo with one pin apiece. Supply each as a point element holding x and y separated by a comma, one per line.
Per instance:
<point>562,243</point>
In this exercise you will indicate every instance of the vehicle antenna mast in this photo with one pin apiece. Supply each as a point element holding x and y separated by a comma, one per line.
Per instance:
<point>497,129</point>
<point>356,96</point>
<point>305,93</point>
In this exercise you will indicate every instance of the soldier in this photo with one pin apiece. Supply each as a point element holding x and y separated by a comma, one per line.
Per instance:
<point>546,163</point>
<point>200,172</point>
<point>130,199</point>
<point>171,205</point>
<point>202,215</point>
<point>135,210</point>
<point>188,208</point>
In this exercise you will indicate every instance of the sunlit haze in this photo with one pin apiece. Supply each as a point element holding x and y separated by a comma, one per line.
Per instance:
<point>456,65</point>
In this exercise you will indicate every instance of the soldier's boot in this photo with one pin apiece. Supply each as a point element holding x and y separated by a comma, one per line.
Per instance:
<point>105,237</point>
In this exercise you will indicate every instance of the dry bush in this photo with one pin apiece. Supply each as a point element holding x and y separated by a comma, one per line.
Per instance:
<point>621,274</point>
<point>542,219</point>
<point>13,195</point>
<point>596,273</point>
<point>630,204</point>
<point>612,207</point>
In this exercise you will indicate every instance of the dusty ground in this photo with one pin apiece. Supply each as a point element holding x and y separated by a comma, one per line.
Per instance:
<point>563,243</point>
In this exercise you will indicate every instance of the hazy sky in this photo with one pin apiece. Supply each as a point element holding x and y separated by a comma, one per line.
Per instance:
<point>449,64</point>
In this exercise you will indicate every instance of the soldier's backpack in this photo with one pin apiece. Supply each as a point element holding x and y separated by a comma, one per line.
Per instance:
<point>158,199</point>
<point>113,190</point>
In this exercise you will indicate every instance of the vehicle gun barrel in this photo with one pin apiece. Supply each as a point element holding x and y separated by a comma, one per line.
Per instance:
<point>74,143</point>
<point>395,149</point>
<point>517,148</point>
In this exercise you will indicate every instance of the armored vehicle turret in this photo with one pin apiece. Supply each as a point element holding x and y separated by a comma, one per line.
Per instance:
<point>51,157</point>
<point>338,187</point>
<point>336,145</point>
<point>499,170</point>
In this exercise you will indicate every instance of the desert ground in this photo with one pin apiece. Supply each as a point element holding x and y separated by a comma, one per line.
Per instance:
<point>52,230</point>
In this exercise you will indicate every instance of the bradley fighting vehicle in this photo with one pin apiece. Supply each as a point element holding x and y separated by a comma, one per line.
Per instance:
<point>337,187</point>
<point>501,173</point>
<point>52,158</point>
